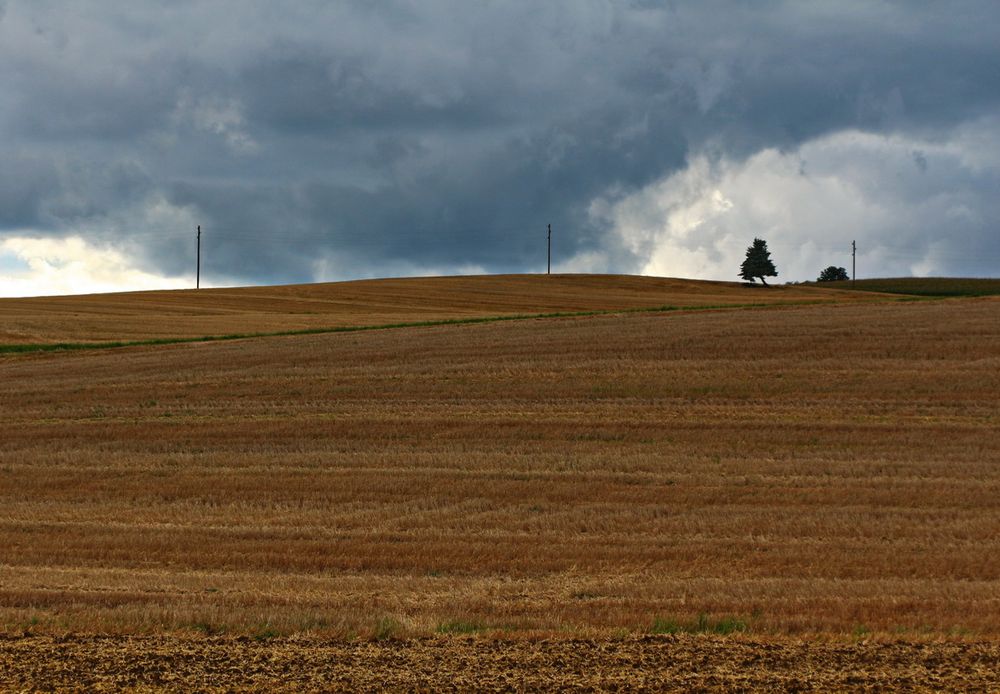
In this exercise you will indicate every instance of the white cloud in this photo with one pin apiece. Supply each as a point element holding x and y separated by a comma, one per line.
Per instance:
<point>298,123</point>
<point>906,201</point>
<point>47,267</point>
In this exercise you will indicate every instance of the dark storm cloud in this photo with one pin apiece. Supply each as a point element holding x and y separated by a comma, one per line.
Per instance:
<point>352,139</point>
<point>309,93</point>
<point>23,182</point>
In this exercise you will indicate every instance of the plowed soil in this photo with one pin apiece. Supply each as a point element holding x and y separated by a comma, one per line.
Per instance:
<point>664,663</point>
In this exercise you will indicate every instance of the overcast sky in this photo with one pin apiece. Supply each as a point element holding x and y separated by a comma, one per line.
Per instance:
<point>317,141</point>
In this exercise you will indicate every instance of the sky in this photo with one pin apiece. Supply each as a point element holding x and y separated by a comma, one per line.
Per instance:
<point>324,141</point>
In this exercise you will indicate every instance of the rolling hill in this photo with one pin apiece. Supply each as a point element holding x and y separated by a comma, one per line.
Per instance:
<point>751,491</point>
<point>195,313</point>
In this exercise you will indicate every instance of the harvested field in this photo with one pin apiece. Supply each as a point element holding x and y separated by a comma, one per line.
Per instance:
<point>188,313</point>
<point>824,472</point>
<point>807,469</point>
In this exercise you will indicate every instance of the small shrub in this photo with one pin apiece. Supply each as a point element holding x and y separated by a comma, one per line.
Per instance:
<point>667,626</point>
<point>459,627</point>
<point>833,274</point>
<point>702,625</point>
<point>727,625</point>
<point>386,628</point>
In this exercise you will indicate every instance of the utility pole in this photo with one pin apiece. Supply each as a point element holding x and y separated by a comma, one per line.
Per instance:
<point>548,268</point>
<point>854,263</point>
<point>197,276</point>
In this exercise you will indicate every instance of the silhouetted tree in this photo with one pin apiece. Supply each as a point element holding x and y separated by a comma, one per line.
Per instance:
<point>833,274</point>
<point>758,263</point>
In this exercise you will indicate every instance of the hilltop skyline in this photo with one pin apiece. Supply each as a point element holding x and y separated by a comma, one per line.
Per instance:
<point>329,141</point>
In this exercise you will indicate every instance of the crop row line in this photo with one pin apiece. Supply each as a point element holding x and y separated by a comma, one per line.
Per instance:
<point>70,346</point>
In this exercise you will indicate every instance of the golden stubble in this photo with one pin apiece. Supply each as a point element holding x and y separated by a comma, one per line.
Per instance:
<point>821,469</point>
<point>154,315</point>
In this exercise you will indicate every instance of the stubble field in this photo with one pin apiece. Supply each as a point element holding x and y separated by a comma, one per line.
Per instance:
<point>794,477</point>
<point>159,315</point>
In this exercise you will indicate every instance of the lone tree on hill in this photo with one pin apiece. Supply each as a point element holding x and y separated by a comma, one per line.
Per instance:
<point>833,274</point>
<point>758,263</point>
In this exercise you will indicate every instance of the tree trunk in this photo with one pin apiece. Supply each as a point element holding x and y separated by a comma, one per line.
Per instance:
<point>763,281</point>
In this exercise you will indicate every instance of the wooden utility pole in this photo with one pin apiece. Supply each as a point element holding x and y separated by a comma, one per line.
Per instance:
<point>548,268</point>
<point>197,275</point>
<point>854,263</point>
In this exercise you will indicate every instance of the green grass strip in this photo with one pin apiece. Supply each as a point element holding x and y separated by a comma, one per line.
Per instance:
<point>76,346</point>
<point>937,287</point>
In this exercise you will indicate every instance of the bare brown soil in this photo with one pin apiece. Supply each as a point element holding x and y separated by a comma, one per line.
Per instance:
<point>686,663</point>
<point>189,313</point>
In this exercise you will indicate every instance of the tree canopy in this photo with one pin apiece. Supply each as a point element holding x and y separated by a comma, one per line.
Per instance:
<point>833,274</point>
<point>758,263</point>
